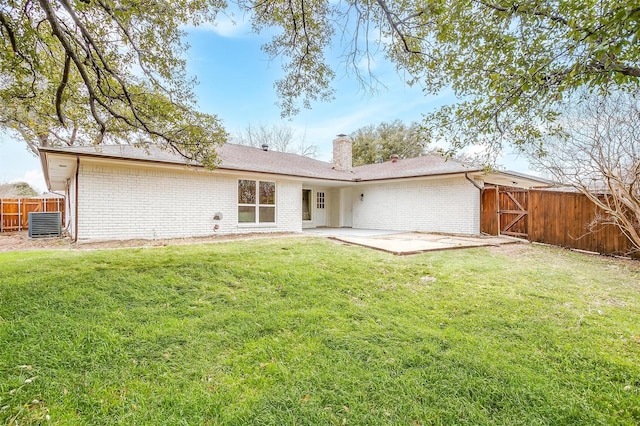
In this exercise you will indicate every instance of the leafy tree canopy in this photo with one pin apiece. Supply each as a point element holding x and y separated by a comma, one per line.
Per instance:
<point>510,63</point>
<point>113,70</point>
<point>103,71</point>
<point>18,189</point>
<point>372,144</point>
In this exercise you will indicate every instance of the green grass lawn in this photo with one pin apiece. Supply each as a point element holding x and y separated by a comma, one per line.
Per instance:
<point>306,331</point>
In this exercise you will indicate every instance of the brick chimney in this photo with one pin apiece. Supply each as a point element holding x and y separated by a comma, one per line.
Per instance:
<point>342,160</point>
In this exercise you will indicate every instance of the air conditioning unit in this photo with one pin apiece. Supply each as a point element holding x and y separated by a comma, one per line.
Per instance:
<point>45,224</point>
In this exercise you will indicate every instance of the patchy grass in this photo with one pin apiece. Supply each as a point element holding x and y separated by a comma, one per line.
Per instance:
<point>294,331</point>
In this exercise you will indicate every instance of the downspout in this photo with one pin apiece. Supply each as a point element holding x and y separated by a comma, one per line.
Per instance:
<point>67,205</point>
<point>75,239</point>
<point>466,176</point>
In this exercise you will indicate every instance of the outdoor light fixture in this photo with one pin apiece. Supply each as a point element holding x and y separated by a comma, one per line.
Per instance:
<point>361,197</point>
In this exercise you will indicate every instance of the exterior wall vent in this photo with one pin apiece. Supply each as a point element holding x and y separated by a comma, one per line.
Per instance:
<point>45,224</point>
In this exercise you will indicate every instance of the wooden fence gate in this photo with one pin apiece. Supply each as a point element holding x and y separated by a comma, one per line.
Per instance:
<point>513,213</point>
<point>552,217</point>
<point>14,212</point>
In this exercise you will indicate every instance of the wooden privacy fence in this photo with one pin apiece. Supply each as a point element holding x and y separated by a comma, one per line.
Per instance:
<point>552,217</point>
<point>14,212</point>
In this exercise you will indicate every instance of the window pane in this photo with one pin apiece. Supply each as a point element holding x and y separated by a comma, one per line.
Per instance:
<point>246,191</point>
<point>267,192</point>
<point>267,214</point>
<point>246,214</point>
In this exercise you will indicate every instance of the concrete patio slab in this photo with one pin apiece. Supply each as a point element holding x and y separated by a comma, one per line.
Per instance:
<point>417,242</point>
<point>349,232</point>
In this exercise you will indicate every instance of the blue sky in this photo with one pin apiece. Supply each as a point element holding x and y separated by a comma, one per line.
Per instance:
<point>236,82</point>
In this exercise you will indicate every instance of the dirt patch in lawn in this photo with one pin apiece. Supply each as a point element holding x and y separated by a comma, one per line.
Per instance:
<point>20,241</point>
<point>513,250</point>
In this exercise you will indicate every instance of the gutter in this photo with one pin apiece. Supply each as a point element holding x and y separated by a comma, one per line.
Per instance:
<point>466,176</point>
<point>418,176</point>
<point>344,180</point>
<point>182,165</point>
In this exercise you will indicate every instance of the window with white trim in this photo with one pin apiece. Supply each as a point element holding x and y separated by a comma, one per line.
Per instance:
<point>320,200</point>
<point>256,201</point>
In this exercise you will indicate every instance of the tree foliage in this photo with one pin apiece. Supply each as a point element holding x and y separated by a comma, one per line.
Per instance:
<point>17,189</point>
<point>373,144</point>
<point>103,71</point>
<point>277,137</point>
<point>600,156</point>
<point>510,63</point>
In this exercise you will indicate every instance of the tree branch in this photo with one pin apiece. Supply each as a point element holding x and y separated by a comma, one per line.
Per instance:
<point>58,32</point>
<point>394,25</point>
<point>61,87</point>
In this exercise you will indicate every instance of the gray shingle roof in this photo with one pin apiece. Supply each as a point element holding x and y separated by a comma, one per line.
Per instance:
<point>427,165</point>
<point>239,157</point>
<point>244,158</point>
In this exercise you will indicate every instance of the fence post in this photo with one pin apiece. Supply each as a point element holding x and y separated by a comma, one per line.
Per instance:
<point>498,209</point>
<point>19,216</point>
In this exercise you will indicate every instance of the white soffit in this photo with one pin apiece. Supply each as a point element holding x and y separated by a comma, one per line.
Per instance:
<point>514,180</point>
<point>60,169</point>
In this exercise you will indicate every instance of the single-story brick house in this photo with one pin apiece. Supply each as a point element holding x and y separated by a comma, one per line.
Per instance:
<point>123,192</point>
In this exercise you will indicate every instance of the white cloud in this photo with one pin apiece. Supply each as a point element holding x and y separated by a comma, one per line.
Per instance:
<point>367,63</point>
<point>475,150</point>
<point>34,178</point>
<point>227,26</point>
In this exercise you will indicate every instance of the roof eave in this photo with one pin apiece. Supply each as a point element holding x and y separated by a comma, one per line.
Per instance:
<point>418,176</point>
<point>175,163</point>
<point>516,179</point>
<point>42,153</point>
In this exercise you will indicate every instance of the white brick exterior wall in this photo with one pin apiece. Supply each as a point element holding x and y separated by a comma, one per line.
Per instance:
<point>124,202</point>
<point>121,201</point>
<point>439,205</point>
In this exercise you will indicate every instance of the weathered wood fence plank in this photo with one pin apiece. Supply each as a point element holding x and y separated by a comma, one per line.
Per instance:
<point>559,218</point>
<point>14,212</point>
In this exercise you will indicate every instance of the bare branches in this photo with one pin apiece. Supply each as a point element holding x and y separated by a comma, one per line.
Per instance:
<point>277,137</point>
<point>601,159</point>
